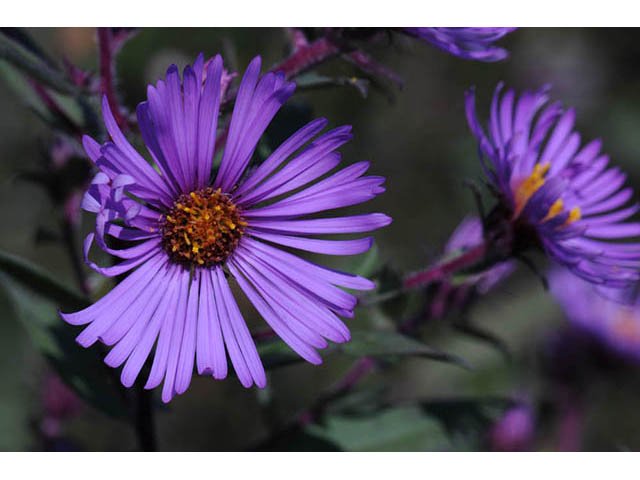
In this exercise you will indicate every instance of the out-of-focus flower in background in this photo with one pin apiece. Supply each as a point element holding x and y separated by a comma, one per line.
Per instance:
<point>473,43</point>
<point>59,403</point>
<point>514,431</point>
<point>608,316</point>
<point>194,232</point>
<point>551,192</point>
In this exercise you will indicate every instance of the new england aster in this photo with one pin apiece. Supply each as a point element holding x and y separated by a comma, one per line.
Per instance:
<point>473,43</point>
<point>611,319</point>
<point>552,192</point>
<point>193,230</point>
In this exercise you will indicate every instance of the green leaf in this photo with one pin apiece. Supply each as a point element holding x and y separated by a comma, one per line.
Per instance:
<point>33,65</point>
<point>16,81</point>
<point>67,113</point>
<point>314,80</point>
<point>368,263</point>
<point>483,335</point>
<point>42,282</point>
<point>360,402</point>
<point>365,343</point>
<point>298,439</point>
<point>81,369</point>
<point>467,421</point>
<point>22,37</point>
<point>395,429</point>
<point>275,354</point>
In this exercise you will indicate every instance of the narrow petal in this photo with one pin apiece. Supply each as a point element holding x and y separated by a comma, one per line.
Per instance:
<point>241,332</point>
<point>188,349</point>
<point>143,347</point>
<point>296,343</point>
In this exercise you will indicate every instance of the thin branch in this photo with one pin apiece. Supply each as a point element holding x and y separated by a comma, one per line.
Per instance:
<point>307,56</point>
<point>107,65</point>
<point>365,63</point>
<point>145,426</point>
<point>444,269</point>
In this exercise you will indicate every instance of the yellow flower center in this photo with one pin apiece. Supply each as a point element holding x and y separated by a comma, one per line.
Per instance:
<point>202,228</point>
<point>531,185</point>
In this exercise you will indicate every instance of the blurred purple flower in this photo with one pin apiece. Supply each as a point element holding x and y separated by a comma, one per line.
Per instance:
<point>514,432</point>
<point>554,194</point>
<point>609,317</point>
<point>194,233</point>
<point>474,43</point>
<point>59,403</point>
<point>467,235</point>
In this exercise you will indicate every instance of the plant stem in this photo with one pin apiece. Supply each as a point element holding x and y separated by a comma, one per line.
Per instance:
<point>440,271</point>
<point>145,426</point>
<point>105,48</point>
<point>69,238</point>
<point>358,370</point>
<point>307,56</point>
<point>366,364</point>
<point>55,108</point>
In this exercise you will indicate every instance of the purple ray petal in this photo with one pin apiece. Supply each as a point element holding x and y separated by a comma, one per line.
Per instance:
<point>143,348</point>
<point>238,360</point>
<point>184,369</point>
<point>298,345</point>
<point>241,332</point>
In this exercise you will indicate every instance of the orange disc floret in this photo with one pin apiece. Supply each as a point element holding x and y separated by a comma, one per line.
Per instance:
<point>202,228</point>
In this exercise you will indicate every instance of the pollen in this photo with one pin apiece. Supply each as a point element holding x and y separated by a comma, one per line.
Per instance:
<point>574,214</point>
<point>557,208</point>
<point>202,228</point>
<point>529,186</point>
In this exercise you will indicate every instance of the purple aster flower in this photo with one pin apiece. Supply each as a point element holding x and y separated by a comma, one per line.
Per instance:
<point>513,432</point>
<point>553,192</point>
<point>611,319</point>
<point>474,43</point>
<point>468,235</point>
<point>194,232</point>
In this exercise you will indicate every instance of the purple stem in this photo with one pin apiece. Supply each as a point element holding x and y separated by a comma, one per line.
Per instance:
<point>54,107</point>
<point>442,270</point>
<point>69,235</point>
<point>366,364</point>
<point>570,430</point>
<point>307,56</point>
<point>366,63</point>
<point>106,49</point>
<point>358,370</point>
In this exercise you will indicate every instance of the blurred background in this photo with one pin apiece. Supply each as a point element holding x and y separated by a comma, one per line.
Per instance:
<point>569,391</point>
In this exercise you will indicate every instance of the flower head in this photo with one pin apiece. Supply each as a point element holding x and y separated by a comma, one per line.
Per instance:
<point>197,229</point>
<point>610,318</point>
<point>474,43</point>
<point>555,193</point>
